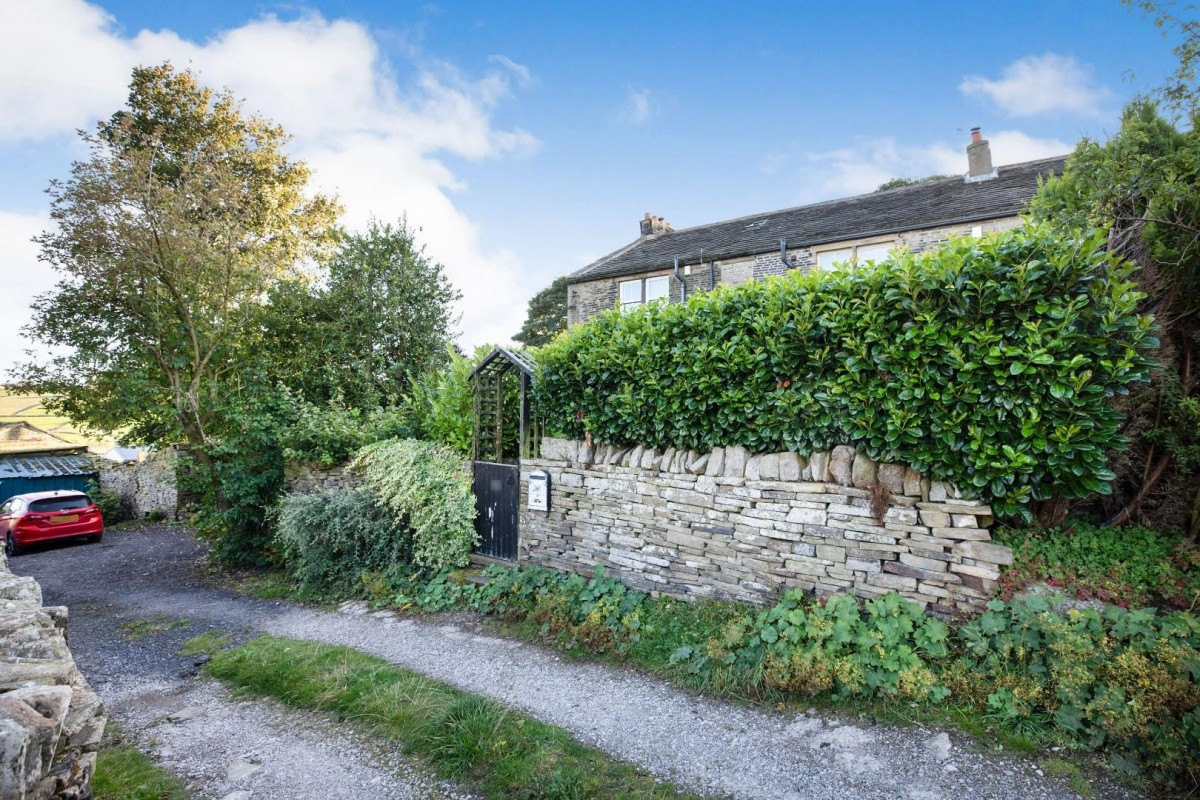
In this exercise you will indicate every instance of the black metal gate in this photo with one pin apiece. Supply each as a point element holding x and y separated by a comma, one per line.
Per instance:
<point>497,490</point>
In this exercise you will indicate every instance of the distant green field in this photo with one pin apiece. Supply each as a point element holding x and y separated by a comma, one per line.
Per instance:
<point>29,408</point>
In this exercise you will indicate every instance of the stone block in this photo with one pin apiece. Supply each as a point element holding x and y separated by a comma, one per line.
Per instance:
<point>790,468</point>
<point>649,459</point>
<point>923,562</point>
<point>888,581</point>
<point>892,477</point>
<point>912,482</point>
<point>818,467</point>
<point>752,468</point>
<point>986,572</point>
<point>964,521</point>
<point>768,467</point>
<point>984,551</point>
<point>864,471</point>
<point>803,549</point>
<point>974,534</point>
<point>935,519</point>
<point>806,516</point>
<point>634,457</point>
<point>554,449</point>
<point>864,564</point>
<point>828,552</point>
<point>897,568</point>
<point>699,464</point>
<point>939,491</point>
<point>841,464</point>
<point>735,462</point>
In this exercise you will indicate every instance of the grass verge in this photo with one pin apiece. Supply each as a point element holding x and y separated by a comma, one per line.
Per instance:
<point>125,773</point>
<point>464,737</point>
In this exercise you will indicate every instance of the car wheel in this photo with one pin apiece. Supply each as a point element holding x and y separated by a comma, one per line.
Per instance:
<point>10,546</point>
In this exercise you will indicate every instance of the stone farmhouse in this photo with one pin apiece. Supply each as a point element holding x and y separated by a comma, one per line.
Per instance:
<point>663,263</point>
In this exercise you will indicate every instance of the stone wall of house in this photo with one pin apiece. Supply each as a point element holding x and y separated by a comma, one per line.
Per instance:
<point>145,487</point>
<point>310,479</point>
<point>51,721</point>
<point>734,525</point>
<point>585,300</point>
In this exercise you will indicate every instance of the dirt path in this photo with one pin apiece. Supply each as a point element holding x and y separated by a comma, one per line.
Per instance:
<point>705,745</point>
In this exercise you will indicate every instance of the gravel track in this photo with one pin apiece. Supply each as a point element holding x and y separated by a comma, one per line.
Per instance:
<point>705,745</point>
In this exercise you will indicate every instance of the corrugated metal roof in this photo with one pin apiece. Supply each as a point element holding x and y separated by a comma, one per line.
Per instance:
<point>42,466</point>
<point>932,204</point>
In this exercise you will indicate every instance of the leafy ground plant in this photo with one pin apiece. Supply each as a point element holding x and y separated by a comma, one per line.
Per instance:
<point>1133,567</point>
<point>464,737</point>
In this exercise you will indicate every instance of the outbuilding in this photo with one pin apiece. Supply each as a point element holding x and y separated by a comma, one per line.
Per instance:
<point>32,460</point>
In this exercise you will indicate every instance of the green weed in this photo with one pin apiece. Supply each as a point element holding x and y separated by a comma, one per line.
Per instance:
<point>206,643</point>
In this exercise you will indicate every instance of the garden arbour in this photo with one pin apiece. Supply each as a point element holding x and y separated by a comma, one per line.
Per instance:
<point>988,363</point>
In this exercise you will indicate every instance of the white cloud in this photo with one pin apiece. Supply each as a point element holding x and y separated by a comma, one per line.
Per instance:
<point>523,73</point>
<point>377,138</point>
<point>24,279</point>
<point>640,107</point>
<point>1044,84</point>
<point>862,167</point>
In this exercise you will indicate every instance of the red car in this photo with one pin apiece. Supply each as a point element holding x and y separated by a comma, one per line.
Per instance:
<point>43,516</point>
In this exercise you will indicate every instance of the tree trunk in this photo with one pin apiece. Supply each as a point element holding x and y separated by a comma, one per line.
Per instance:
<point>1053,512</point>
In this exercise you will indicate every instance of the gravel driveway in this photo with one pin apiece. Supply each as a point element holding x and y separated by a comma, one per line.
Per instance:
<point>706,745</point>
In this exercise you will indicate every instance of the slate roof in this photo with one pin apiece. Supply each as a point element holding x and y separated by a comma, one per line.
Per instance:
<point>44,465</point>
<point>948,201</point>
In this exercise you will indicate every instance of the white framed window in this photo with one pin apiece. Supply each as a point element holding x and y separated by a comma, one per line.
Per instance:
<point>855,254</point>
<point>645,290</point>
<point>658,289</point>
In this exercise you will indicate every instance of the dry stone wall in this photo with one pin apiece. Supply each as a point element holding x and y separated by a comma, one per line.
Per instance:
<point>737,525</point>
<point>307,479</point>
<point>51,721</point>
<point>145,487</point>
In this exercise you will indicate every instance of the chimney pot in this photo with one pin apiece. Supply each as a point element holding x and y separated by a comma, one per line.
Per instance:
<point>651,225</point>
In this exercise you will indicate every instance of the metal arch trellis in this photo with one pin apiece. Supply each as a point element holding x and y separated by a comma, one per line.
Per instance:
<point>487,379</point>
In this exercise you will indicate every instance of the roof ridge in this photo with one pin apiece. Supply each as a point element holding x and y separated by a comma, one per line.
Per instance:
<point>925,184</point>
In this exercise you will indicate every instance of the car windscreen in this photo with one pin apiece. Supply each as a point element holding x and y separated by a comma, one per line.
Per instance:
<point>60,503</point>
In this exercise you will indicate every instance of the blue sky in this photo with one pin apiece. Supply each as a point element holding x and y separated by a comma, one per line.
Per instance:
<point>527,139</point>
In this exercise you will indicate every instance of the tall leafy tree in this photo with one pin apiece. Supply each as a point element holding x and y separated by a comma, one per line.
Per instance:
<point>379,313</point>
<point>547,315</point>
<point>167,239</point>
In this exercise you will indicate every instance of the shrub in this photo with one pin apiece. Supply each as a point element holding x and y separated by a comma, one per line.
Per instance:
<point>330,434</point>
<point>112,505</point>
<point>988,363</point>
<point>429,486</point>
<point>1128,681</point>
<point>329,540</point>
<point>439,404</point>
<point>1131,567</point>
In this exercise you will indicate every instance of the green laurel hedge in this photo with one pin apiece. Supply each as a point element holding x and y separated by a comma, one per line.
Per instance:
<point>988,363</point>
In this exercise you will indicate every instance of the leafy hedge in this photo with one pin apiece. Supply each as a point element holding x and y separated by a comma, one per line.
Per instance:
<point>328,540</point>
<point>988,363</point>
<point>429,487</point>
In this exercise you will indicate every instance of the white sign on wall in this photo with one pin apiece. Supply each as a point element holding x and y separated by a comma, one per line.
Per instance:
<point>539,490</point>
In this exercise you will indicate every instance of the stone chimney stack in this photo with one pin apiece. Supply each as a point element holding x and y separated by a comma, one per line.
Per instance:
<point>979,159</point>
<point>651,225</point>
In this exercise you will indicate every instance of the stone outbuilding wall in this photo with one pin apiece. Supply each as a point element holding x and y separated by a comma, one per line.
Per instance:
<point>734,525</point>
<point>51,721</point>
<point>145,486</point>
<point>309,479</point>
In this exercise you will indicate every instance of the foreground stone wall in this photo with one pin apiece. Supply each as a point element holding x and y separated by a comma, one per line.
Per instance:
<point>146,486</point>
<point>308,479</point>
<point>51,721</point>
<point>735,525</point>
